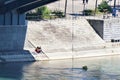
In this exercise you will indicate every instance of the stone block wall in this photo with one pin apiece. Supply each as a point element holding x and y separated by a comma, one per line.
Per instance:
<point>111,29</point>
<point>107,29</point>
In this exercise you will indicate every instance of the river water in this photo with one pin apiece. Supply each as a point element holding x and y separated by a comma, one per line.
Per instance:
<point>99,68</point>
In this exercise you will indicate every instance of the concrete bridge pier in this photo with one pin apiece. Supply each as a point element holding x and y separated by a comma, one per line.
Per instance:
<point>12,37</point>
<point>13,28</point>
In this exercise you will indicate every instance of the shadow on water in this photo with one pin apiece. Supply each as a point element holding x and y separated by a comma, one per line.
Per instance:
<point>12,71</point>
<point>98,69</point>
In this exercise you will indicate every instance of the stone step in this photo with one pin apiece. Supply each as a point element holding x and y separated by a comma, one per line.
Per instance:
<point>9,56</point>
<point>40,56</point>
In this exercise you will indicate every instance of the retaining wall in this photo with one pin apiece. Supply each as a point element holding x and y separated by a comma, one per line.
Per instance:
<point>107,29</point>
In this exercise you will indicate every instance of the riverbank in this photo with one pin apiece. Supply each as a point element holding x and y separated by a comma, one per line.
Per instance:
<point>108,50</point>
<point>63,39</point>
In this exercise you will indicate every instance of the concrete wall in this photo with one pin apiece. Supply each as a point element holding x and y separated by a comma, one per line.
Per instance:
<point>12,18</point>
<point>12,37</point>
<point>2,19</point>
<point>107,29</point>
<point>112,29</point>
<point>97,26</point>
<point>12,31</point>
<point>56,35</point>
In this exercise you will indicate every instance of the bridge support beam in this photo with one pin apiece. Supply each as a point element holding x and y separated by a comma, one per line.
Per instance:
<point>12,37</point>
<point>12,31</point>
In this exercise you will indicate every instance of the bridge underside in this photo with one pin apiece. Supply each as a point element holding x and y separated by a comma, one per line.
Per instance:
<point>21,5</point>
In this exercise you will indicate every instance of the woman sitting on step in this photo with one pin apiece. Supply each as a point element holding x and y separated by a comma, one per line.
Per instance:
<point>38,50</point>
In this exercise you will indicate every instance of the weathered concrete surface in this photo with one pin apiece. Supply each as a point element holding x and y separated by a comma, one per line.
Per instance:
<point>62,39</point>
<point>12,37</point>
<point>12,18</point>
<point>62,36</point>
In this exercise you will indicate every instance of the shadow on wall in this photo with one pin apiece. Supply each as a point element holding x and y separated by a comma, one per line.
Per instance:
<point>98,26</point>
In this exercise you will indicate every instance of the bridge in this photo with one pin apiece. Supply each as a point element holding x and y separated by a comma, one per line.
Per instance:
<point>12,23</point>
<point>12,12</point>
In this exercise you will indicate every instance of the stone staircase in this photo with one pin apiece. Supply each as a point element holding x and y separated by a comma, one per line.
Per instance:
<point>40,56</point>
<point>37,56</point>
<point>11,56</point>
<point>112,29</point>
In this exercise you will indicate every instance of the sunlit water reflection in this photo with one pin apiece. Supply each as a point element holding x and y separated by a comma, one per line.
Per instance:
<point>99,68</point>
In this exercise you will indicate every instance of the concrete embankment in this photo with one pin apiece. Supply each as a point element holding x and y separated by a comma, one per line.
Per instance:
<point>63,38</point>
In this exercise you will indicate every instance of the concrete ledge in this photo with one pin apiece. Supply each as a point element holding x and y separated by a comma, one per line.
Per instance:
<point>85,53</point>
<point>13,56</point>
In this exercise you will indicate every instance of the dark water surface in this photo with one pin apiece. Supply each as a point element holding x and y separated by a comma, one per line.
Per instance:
<point>99,68</point>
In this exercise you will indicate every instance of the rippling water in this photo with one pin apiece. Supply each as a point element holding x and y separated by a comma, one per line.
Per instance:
<point>99,68</point>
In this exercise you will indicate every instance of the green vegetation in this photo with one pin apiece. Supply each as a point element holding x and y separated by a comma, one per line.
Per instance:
<point>44,13</point>
<point>88,12</point>
<point>85,68</point>
<point>104,7</point>
<point>58,13</point>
